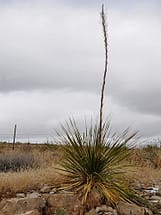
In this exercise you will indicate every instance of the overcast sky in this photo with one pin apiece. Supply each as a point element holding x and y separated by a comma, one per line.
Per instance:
<point>52,57</point>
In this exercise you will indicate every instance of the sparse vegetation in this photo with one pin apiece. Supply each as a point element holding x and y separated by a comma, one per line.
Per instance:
<point>47,173</point>
<point>153,155</point>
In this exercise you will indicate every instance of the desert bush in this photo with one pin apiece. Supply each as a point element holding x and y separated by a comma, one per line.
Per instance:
<point>137,158</point>
<point>17,161</point>
<point>153,155</point>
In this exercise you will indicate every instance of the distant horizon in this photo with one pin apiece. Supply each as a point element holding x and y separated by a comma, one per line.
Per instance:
<point>47,139</point>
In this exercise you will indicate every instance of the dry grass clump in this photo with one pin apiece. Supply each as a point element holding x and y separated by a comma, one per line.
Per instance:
<point>149,156</point>
<point>23,181</point>
<point>145,176</point>
<point>138,158</point>
<point>145,165</point>
<point>153,155</point>
<point>41,155</point>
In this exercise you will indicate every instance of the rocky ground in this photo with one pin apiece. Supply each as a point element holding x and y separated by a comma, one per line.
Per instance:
<point>50,201</point>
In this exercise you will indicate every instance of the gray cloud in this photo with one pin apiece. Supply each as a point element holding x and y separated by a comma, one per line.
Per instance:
<point>51,62</point>
<point>135,61</point>
<point>40,48</point>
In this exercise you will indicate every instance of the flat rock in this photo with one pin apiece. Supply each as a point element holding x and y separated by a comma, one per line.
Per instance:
<point>45,189</point>
<point>155,199</point>
<point>103,208</point>
<point>125,208</point>
<point>69,202</point>
<point>33,195</point>
<point>53,190</point>
<point>32,212</point>
<point>20,195</point>
<point>158,198</point>
<point>20,205</point>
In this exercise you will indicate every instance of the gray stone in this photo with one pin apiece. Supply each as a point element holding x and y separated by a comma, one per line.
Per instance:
<point>54,190</point>
<point>102,208</point>
<point>45,189</point>
<point>125,208</point>
<point>33,195</point>
<point>32,212</point>
<point>155,199</point>
<point>20,205</point>
<point>20,195</point>
<point>69,202</point>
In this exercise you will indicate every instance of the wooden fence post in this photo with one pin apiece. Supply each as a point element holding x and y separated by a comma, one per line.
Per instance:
<point>14,136</point>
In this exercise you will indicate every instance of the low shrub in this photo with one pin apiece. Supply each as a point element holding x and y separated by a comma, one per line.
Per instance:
<point>153,155</point>
<point>17,161</point>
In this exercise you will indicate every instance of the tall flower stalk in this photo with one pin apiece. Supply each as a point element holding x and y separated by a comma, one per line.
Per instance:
<point>105,72</point>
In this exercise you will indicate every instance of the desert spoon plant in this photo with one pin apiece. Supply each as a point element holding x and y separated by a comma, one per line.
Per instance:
<point>93,162</point>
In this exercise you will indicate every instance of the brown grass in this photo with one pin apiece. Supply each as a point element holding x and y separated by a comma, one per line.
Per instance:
<point>48,157</point>
<point>147,175</point>
<point>23,181</point>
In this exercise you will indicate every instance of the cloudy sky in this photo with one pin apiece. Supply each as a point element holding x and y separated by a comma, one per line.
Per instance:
<point>52,57</point>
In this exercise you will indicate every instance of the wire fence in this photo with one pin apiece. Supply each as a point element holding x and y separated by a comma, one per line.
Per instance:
<point>27,138</point>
